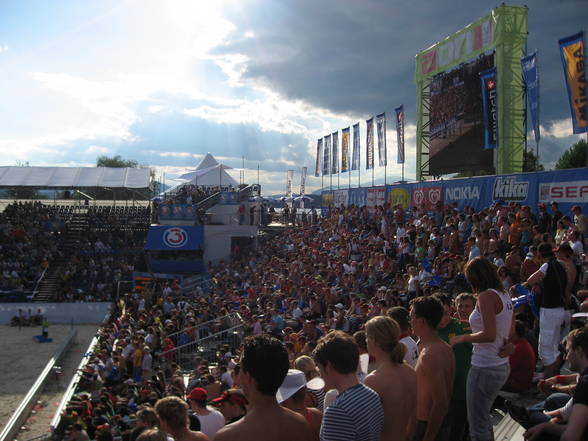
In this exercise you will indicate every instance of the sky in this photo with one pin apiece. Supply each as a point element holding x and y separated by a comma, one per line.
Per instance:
<point>254,82</point>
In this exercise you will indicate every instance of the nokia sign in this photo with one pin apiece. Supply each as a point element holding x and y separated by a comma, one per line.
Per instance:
<point>462,193</point>
<point>509,189</point>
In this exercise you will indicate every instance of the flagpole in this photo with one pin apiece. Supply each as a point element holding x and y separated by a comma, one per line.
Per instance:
<point>258,174</point>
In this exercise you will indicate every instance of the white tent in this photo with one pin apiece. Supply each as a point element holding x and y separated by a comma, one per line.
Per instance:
<point>208,173</point>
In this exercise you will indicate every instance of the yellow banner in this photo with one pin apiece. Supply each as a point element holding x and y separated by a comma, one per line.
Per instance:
<point>573,58</point>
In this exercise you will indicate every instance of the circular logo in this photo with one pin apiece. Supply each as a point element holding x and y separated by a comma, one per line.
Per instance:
<point>435,196</point>
<point>399,196</point>
<point>418,197</point>
<point>175,237</point>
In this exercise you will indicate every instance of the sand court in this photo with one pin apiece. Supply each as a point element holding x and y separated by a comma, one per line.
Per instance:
<point>22,359</point>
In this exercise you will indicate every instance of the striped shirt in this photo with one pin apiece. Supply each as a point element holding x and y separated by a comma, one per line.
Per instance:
<point>357,414</point>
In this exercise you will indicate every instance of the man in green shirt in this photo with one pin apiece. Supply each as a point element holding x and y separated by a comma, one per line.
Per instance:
<point>450,327</point>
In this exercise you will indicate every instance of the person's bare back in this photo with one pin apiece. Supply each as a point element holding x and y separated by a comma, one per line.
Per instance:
<point>396,383</point>
<point>270,423</point>
<point>435,370</point>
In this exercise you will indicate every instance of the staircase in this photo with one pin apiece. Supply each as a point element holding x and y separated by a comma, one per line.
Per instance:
<point>78,225</point>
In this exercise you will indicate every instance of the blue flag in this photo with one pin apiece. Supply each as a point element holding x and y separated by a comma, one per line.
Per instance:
<point>490,107</point>
<point>531,77</point>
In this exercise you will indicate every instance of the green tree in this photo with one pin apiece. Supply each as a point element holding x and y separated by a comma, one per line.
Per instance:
<point>574,157</point>
<point>115,161</point>
<point>531,163</point>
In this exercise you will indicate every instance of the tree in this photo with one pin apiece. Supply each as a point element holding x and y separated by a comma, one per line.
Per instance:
<point>531,163</point>
<point>116,161</point>
<point>574,157</point>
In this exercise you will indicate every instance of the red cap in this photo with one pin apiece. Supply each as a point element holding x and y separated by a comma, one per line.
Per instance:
<point>198,394</point>
<point>233,396</point>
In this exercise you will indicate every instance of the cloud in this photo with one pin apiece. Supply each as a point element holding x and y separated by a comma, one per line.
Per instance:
<point>558,129</point>
<point>98,149</point>
<point>3,48</point>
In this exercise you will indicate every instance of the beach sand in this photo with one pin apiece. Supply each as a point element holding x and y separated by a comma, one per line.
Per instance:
<point>21,363</point>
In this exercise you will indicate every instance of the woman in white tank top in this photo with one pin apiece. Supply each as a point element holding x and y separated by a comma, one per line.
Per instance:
<point>492,326</point>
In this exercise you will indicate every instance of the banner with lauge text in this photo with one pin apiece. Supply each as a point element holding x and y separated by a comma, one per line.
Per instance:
<point>319,151</point>
<point>400,133</point>
<point>327,156</point>
<point>381,128</point>
<point>573,57</point>
<point>335,154</point>
<point>345,150</point>
<point>303,181</point>
<point>369,144</point>
<point>356,148</point>
<point>531,77</point>
<point>490,108</point>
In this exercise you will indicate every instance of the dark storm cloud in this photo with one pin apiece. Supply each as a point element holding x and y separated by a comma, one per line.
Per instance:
<point>358,56</point>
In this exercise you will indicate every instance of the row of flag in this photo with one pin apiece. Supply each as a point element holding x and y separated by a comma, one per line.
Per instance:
<point>327,148</point>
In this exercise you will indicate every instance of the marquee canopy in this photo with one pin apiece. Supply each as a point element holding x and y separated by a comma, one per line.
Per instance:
<point>74,177</point>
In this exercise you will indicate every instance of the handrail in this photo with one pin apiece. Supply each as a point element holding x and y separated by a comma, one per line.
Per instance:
<point>26,405</point>
<point>36,289</point>
<point>203,340</point>
<point>218,319</point>
<point>72,386</point>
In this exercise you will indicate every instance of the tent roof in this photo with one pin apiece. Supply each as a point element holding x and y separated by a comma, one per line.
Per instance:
<point>207,162</point>
<point>74,177</point>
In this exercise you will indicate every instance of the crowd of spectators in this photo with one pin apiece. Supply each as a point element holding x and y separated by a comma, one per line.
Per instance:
<point>348,298</point>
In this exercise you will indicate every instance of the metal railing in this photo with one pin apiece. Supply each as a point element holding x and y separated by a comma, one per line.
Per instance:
<point>26,405</point>
<point>207,348</point>
<point>36,289</point>
<point>232,319</point>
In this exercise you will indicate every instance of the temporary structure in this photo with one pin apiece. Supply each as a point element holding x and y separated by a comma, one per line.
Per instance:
<point>208,173</point>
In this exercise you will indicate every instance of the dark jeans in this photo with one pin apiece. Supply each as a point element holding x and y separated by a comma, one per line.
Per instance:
<point>552,402</point>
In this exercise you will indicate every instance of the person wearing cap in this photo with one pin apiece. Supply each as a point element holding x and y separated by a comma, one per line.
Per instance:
<point>232,404</point>
<point>211,420</point>
<point>393,380</point>
<point>264,365</point>
<point>552,303</point>
<point>357,413</point>
<point>292,395</point>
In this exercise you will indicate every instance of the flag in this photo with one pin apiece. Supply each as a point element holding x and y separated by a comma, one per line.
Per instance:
<point>289,178</point>
<point>356,147</point>
<point>400,133</point>
<point>327,156</point>
<point>345,150</point>
<point>369,144</point>
<point>381,128</point>
<point>573,57</point>
<point>490,108</point>
<point>335,154</point>
<point>531,78</point>
<point>303,181</point>
<point>319,151</point>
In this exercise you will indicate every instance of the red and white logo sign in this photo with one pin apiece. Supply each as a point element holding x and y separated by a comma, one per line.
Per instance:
<point>427,197</point>
<point>175,237</point>
<point>573,191</point>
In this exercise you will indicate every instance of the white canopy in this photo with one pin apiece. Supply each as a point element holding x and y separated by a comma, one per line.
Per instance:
<point>74,177</point>
<point>208,173</point>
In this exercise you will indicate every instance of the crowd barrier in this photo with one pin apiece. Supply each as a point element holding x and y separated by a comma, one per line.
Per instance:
<point>566,187</point>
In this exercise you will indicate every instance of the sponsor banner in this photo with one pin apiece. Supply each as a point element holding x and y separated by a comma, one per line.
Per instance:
<point>458,48</point>
<point>490,108</point>
<point>175,238</point>
<point>369,144</point>
<point>184,212</point>
<point>400,133</point>
<point>356,148</point>
<point>358,196</point>
<point>319,152</point>
<point>573,58</point>
<point>327,156</point>
<point>398,196</point>
<point>341,197</point>
<point>381,128</point>
<point>229,198</point>
<point>289,179</point>
<point>572,192</point>
<point>345,150</point>
<point>427,197</point>
<point>376,196</point>
<point>303,181</point>
<point>510,188</point>
<point>531,78</point>
<point>335,151</point>
<point>327,199</point>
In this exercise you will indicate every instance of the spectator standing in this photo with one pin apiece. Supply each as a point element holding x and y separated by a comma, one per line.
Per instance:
<point>522,362</point>
<point>211,420</point>
<point>401,315</point>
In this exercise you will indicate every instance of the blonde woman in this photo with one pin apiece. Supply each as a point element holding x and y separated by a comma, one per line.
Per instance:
<point>393,380</point>
<point>314,383</point>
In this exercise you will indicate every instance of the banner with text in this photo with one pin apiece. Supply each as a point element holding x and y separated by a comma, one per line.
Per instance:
<point>303,181</point>
<point>327,156</point>
<point>573,57</point>
<point>289,179</point>
<point>381,128</point>
<point>369,144</point>
<point>319,148</point>
<point>400,133</point>
<point>345,150</point>
<point>531,78</point>
<point>490,108</point>
<point>335,160</point>
<point>356,148</point>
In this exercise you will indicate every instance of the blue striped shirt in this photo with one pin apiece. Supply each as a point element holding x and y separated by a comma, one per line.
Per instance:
<point>357,414</point>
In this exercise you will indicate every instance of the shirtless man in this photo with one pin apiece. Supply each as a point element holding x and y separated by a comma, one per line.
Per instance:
<point>173,420</point>
<point>264,366</point>
<point>393,380</point>
<point>435,370</point>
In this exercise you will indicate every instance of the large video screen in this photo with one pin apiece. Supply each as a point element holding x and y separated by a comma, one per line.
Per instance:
<point>456,126</point>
